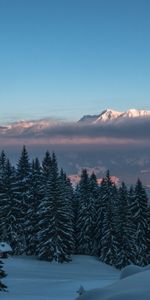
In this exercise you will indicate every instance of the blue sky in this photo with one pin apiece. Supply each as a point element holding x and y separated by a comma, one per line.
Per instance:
<point>66,58</point>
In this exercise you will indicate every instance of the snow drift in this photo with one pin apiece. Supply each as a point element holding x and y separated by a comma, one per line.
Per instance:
<point>132,287</point>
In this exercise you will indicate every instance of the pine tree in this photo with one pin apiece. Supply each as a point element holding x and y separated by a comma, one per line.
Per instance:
<point>94,195</point>
<point>67,212</point>
<point>3,287</point>
<point>23,185</point>
<point>85,216</point>
<point>46,166</point>
<point>3,160</point>
<point>98,224</point>
<point>54,234</point>
<point>140,217</point>
<point>9,212</point>
<point>125,228</point>
<point>35,198</point>
<point>75,213</point>
<point>2,170</point>
<point>109,235</point>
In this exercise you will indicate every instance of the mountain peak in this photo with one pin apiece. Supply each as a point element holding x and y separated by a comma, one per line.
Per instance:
<point>110,115</point>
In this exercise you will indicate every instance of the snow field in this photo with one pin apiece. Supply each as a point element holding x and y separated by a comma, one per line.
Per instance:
<point>133,285</point>
<point>31,279</point>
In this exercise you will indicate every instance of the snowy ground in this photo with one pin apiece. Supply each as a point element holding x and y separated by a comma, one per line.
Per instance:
<point>30,279</point>
<point>133,285</point>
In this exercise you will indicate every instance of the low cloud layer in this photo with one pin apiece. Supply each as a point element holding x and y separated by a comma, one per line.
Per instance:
<point>131,131</point>
<point>121,147</point>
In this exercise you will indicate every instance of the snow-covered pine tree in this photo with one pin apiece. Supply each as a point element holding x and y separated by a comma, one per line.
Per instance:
<point>46,166</point>
<point>3,287</point>
<point>140,217</point>
<point>3,159</point>
<point>94,195</point>
<point>2,169</point>
<point>131,228</point>
<point>54,235</point>
<point>125,228</point>
<point>9,212</point>
<point>35,197</point>
<point>75,211</point>
<point>67,213</point>
<point>98,223</point>
<point>23,188</point>
<point>109,234</point>
<point>148,234</point>
<point>84,216</point>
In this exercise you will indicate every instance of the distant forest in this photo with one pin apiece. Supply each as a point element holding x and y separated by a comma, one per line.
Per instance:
<point>41,214</point>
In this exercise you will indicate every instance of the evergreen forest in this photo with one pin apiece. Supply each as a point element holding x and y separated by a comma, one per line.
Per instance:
<point>43,215</point>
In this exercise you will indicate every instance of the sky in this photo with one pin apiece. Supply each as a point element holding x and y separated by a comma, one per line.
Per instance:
<point>65,58</point>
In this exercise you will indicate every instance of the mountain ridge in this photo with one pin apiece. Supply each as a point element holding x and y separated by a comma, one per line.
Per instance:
<point>107,116</point>
<point>110,115</point>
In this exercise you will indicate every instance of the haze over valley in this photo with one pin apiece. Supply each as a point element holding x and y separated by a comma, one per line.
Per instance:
<point>113,140</point>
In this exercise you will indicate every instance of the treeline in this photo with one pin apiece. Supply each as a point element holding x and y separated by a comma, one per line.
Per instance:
<point>42,215</point>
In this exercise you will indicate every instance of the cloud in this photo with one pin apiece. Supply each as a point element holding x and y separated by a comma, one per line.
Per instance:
<point>128,132</point>
<point>121,147</point>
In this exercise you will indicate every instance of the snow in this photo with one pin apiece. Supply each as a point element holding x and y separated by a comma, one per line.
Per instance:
<point>30,279</point>
<point>133,287</point>
<point>130,270</point>
<point>39,126</point>
<point>135,113</point>
<point>5,247</point>
<point>110,115</point>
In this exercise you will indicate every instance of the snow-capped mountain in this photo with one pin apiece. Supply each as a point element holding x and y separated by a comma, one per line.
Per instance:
<point>33,126</point>
<point>39,127</point>
<point>110,115</point>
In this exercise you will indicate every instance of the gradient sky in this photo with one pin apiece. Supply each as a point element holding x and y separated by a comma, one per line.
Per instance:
<point>66,58</point>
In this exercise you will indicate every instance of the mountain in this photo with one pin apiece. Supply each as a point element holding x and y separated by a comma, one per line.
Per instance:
<point>40,127</point>
<point>110,115</point>
<point>31,126</point>
<point>122,149</point>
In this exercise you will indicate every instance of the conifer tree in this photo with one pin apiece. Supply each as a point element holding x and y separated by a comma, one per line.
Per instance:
<point>109,235</point>
<point>9,212</point>
<point>35,198</point>
<point>140,217</point>
<point>46,166</point>
<point>3,287</point>
<point>85,216</point>
<point>54,238</point>
<point>94,195</point>
<point>67,211</point>
<point>2,170</point>
<point>75,213</point>
<point>3,160</point>
<point>125,228</point>
<point>23,186</point>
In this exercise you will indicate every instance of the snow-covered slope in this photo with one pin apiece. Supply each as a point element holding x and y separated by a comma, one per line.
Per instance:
<point>110,115</point>
<point>35,126</point>
<point>134,287</point>
<point>31,279</point>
